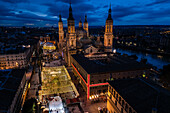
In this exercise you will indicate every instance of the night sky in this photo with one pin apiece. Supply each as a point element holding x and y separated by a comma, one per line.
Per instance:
<point>44,13</point>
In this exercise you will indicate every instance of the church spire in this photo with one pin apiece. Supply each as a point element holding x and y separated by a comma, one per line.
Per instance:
<point>80,20</point>
<point>109,14</point>
<point>60,20</point>
<point>85,19</point>
<point>70,13</point>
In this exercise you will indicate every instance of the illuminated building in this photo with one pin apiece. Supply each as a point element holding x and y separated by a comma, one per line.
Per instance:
<point>137,95</point>
<point>86,25</point>
<point>77,40</point>
<point>93,71</point>
<point>17,58</point>
<point>71,30</point>
<point>61,33</point>
<point>13,90</point>
<point>56,80</point>
<point>48,47</point>
<point>108,36</point>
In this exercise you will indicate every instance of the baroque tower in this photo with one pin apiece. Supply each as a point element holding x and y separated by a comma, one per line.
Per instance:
<point>71,37</point>
<point>86,26</point>
<point>108,36</point>
<point>61,32</point>
<point>71,30</point>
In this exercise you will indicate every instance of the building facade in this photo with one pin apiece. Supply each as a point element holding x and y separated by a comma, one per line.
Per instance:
<point>137,95</point>
<point>60,32</point>
<point>16,60</point>
<point>108,36</point>
<point>77,40</point>
<point>12,90</point>
<point>93,71</point>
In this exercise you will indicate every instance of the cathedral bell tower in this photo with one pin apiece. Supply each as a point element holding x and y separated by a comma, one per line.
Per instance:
<point>71,37</point>
<point>86,26</point>
<point>71,30</point>
<point>108,36</point>
<point>61,32</point>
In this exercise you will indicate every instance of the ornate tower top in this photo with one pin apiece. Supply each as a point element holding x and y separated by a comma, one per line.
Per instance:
<point>70,13</point>
<point>80,23</point>
<point>60,20</point>
<point>109,14</point>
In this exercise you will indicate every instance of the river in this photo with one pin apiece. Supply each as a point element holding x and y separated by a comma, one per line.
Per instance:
<point>156,60</point>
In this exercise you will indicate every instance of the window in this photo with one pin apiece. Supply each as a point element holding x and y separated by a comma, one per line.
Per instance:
<point>114,93</point>
<point>119,99</point>
<point>91,51</point>
<point>72,43</point>
<point>115,103</point>
<point>117,96</point>
<point>121,110</point>
<point>109,42</point>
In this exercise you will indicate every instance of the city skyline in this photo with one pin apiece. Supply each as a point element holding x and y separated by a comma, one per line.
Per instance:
<point>45,14</point>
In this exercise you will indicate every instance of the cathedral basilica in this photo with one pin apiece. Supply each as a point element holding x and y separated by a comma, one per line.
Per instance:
<point>78,40</point>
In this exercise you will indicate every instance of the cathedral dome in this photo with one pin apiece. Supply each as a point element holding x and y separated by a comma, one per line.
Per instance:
<point>85,40</point>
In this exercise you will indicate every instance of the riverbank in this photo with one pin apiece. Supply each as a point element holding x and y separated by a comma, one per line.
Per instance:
<point>155,59</point>
<point>144,50</point>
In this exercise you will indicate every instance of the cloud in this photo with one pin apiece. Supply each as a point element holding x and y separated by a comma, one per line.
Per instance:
<point>156,2</point>
<point>123,11</point>
<point>43,12</point>
<point>72,1</point>
<point>15,1</point>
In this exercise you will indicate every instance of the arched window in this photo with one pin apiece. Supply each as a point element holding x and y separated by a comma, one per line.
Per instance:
<point>91,50</point>
<point>72,43</point>
<point>108,41</point>
<point>119,99</point>
<point>116,96</point>
<point>114,93</point>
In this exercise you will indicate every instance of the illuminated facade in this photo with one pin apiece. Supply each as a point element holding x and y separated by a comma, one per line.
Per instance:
<point>93,71</point>
<point>56,80</point>
<point>86,25</point>
<point>71,30</point>
<point>61,33</point>
<point>48,47</point>
<point>15,60</point>
<point>77,40</point>
<point>108,36</point>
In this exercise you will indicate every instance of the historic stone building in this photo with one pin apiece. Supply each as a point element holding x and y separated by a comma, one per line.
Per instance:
<point>61,33</point>
<point>108,36</point>
<point>77,40</point>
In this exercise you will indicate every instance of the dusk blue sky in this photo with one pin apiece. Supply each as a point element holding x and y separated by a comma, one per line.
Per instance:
<point>44,13</point>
